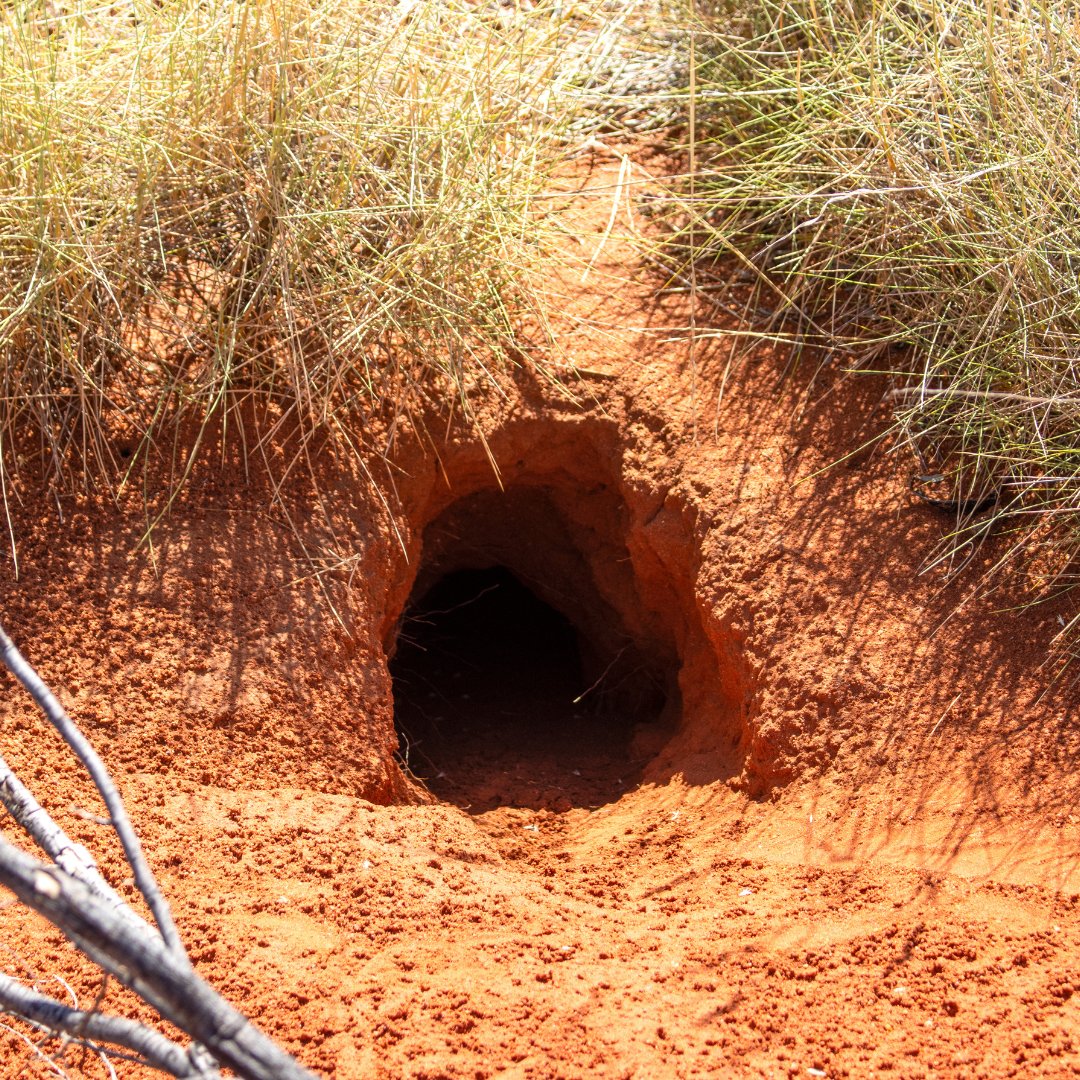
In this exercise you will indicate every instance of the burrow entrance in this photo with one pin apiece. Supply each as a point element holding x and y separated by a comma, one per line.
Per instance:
<point>517,682</point>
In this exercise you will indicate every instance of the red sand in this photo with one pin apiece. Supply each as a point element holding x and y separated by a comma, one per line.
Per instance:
<point>856,855</point>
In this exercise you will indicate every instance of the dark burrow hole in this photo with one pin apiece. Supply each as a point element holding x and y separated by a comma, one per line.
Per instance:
<point>499,700</point>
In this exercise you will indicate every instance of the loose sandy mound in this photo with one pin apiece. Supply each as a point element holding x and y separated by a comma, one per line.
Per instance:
<point>744,794</point>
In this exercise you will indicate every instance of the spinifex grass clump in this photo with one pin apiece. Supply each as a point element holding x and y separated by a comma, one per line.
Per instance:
<point>904,178</point>
<point>294,209</point>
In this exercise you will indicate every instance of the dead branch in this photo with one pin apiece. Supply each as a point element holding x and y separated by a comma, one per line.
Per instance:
<point>144,963</point>
<point>73,858</point>
<point>80,746</point>
<point>87,1028</point>
<point>72,894</point>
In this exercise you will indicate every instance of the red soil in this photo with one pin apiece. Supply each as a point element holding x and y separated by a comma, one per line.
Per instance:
<point>848,847</point>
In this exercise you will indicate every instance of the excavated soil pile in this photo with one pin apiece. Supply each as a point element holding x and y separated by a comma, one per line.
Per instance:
<point>620,734</point>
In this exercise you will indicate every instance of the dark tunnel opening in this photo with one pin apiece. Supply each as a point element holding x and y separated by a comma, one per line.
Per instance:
<point>496,705</point>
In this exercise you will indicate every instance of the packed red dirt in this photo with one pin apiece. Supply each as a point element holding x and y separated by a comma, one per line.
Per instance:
<point>840,838</point>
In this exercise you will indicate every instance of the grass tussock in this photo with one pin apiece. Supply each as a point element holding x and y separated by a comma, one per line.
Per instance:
<point>300,209</point>
<point>902,182</point>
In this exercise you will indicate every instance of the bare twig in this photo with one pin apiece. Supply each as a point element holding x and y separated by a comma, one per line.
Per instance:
<point>72,894</point>
<point>952,392</point>
<point>151,1047</point>
<point>143,963</point>
<point>35,1050</point>
<point>71,857</point>
<point>80,745</point>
